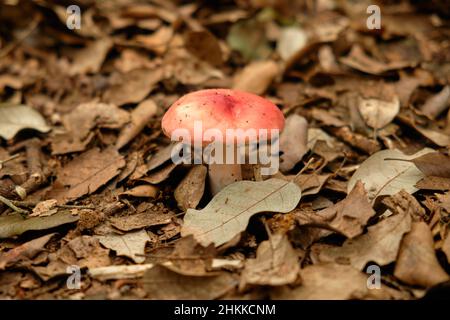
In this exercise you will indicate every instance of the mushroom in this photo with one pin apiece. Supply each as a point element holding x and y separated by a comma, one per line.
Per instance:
<point>226,119</point>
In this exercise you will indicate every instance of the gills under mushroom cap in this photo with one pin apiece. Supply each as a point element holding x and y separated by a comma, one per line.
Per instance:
<point>222,109</point>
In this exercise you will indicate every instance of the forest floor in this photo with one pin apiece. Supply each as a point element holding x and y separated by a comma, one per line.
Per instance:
<point>92,207</point>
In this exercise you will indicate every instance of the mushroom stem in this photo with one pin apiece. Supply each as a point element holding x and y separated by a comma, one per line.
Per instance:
<point>221,175</point>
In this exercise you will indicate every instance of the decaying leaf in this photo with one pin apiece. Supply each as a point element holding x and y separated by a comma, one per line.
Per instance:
<point>276,263</point>
<point>190,190</point>
<point>140,220</point>
<point>229,211</point>
<point>178,286</point>
<point>387,177</point>
<point>88,172</point>
<point>90,58</point>
<point>142,191</point>
<point>44,208</point>
<point>28,250</point>
<point>131,244</point>
<point>378,113</point>
<point>380,244</point>
<point>332,282</point>
<point>349,216</point>
<point>14,118</point>
<point>14,225</point>
<point>293,142</point>
<point>417,263</point>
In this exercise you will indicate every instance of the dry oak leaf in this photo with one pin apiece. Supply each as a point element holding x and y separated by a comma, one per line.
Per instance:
<point>14,118</point>
<point>229,211</point>
<point>417,263</point>
<point>332,282</point>
<point>86,116</point>
<point>378,113</point>
<point>349,216</point>
<point>140,117</point>
<point>380,244</point>
<point>190,190</point>
<point>131,244</point>
<point>387,177</point>
<point>89,171</point>
<point>293,142</point>
<point>276,263</point>
<point>256,77</point>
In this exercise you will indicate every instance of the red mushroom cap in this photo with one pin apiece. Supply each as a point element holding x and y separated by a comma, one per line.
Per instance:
<point>222,109</point>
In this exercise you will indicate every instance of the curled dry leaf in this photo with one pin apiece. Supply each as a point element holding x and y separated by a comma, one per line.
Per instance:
<point>417,263</point>
<point>332,282</point>
<point>88,172</point>
<point>276,263</point>
<point>380,244</point>
<point>131,244</point>
<point>141,220</point>
<point>190,190</point>
<point>293,141</point>
<point>387,177</point>
<point>44,208</point>
<point>28,250</point>
<point>14,118</point>
<point>349,216</point>
<point>14,225</point>
<point>229,211</point>
<point>87,116</point>
<point>256,77</point>
<point>140,117</point>
<point>378,113</point>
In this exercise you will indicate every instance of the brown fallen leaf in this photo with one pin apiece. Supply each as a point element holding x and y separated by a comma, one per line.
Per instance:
<point>433,183</point>
<point>133,86</point>
<point>256,77</point>
<point>131,244</point>
<point>349,216</point>
<point>157,41</point>
<point>433,164</point>
<point>403,202</point>
<point>311,183</point>
<point>28,250</point>
<point>90,58</point>
<point>141,220</point>
<point>417,263</point>
<point>159,158</point>
<point>293,142</point>
<point>205,46</point>
<point>89,253</point>
<point>380,244</point>
<point>332,282</point>
<point>276,263</point>
<point>140,117</point>
<point>177,286</point>
<point>190,190</point>
<point>88,172</point>
<point>160,175</point>
<point>14,118</point>
<point>87,116</point>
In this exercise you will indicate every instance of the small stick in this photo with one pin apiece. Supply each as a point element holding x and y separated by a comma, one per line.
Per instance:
<point>12,206</point>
